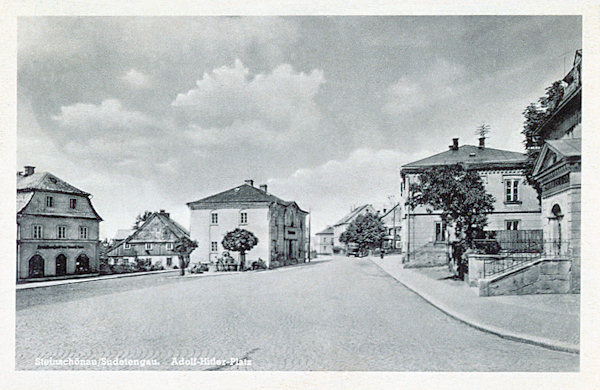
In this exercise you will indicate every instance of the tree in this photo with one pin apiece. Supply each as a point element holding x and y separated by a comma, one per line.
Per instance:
<point>140,219</point>
<point>483,130</point>
<point>184,247</point>
<point>459,195</point>
<point>536,115</point>
<point>367,231</point>
<point>240,240</point>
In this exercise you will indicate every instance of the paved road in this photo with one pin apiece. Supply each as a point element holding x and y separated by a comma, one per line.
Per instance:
<point>329,315</point>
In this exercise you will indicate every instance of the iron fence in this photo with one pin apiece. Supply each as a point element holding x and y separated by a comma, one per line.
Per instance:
<point>512,258</point>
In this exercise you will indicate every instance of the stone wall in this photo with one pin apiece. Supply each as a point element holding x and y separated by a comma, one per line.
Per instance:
<point>545,276</point>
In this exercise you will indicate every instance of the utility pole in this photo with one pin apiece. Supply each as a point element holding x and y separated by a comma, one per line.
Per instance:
<point>309,222</point>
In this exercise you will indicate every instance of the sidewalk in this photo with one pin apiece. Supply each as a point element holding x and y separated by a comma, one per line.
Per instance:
<point>49,283</point>
<point>550,321</point>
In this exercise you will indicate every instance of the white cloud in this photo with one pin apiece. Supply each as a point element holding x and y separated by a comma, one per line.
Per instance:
<point>108,115</point>
<point>330,189</point>
<point>414,94</point>
<point>136,79</point>
<point>282,98</point>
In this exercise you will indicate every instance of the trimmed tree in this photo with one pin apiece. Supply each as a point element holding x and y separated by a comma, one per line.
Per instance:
<point>460,196</point>
<point>240,240</point>
<point>367,231</point>
<point>184,247</point>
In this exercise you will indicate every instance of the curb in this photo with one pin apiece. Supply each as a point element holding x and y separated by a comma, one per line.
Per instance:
<point>93,279</point>
<point>500,332</point>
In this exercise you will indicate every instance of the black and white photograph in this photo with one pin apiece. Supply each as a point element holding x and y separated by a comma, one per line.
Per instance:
<point>298,193</point>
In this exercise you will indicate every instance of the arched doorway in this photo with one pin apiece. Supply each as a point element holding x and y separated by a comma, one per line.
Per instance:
<point>61,265</point>
<point>82,264</point>
<point>36,267</point>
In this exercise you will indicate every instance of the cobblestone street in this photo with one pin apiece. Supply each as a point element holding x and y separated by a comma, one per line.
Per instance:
<point>332,314</point>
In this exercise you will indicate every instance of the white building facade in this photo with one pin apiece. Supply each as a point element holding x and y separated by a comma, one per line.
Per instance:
<point>279,226</point>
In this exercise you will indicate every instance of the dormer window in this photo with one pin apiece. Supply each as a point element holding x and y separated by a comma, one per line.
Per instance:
<point>49,201</point>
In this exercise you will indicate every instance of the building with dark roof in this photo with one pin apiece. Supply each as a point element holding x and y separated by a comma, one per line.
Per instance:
<point>153,243</point>
<point>516,206</point>
<point>340,226</point>
<point>57,228</point>
<point>279,225</point>
<point>324,241</point>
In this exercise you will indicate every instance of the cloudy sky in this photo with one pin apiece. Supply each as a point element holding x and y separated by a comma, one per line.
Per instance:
<point>149,113</point>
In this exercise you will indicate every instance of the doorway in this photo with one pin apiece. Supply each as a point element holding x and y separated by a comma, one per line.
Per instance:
<point>61,265</point>
<point>36,267</point>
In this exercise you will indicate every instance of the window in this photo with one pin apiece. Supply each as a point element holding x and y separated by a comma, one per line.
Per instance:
<point>83,232</point>
<point>243,217</point>
<point>169,245</point>
<point>127,246</point>
<point>38,231</point>
<point>512,190</point>
<point>169,261</point>
<point>512,225</point>
<point>49,201</point>
<point>73,203</point>
<point>214,246</point>
<point>440,231</point>
<point>125,261</point>
<point>148,246</point>
<point>214,218</point>
<point>62,232</point>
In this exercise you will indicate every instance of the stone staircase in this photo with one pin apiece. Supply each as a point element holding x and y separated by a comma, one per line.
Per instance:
<point>429,255</point>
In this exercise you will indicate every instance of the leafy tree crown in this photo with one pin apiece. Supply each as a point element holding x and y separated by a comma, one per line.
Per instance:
<point>239,240</point>
<point>367,230</point>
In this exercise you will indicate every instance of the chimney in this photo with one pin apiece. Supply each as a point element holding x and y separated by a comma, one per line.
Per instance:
<point>29,170</point>
<point>263,187</point>
<point>250,182</point>
<point>163,212</point>
<point>454,143</point>
<point>481,142</point>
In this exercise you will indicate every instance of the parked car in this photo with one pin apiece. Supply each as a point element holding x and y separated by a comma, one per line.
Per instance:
<point>354,250</point>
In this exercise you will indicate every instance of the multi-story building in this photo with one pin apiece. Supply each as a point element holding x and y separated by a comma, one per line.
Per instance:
<point>154,243</point>
<point>340,226</point>
<point>558,170</point>
<point>57,227</point>
<point>516,206</point>
<point>324,241</point>
<point>279,225</point>
<point>392,220</point>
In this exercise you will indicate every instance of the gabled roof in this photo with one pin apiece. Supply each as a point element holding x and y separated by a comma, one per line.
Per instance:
<point>569,148</point>
<point>352,215</point>
<point>390,210</point>
<point>244,193</point>
<point>44,181</point>
<point>173,226</point>
<point>471,156</point>
<point>327,230</point>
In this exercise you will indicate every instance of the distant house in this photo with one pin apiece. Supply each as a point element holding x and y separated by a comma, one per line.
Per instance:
<point>340,226</point>
<point>558,170</point>
<point>392,220</point>
<point>279,225</point>
<point>516,206</point>
<point>57,227</point>
<point>324,241</point>
<point>153,243</point>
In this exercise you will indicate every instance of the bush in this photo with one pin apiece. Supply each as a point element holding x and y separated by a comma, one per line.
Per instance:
<point>104,269</point>
<point>259,264</point>
<point>487,246</point>
<point>199,268</point>
<point>275,264</point>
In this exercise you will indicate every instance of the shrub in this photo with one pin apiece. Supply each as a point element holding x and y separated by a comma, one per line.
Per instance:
<point>275,264</point>
<point>487,246</point>
<point>259,264</point>
<point>104,269</point>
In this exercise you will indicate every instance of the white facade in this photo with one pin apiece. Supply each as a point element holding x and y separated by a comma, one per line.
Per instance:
<point>207,233</point>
